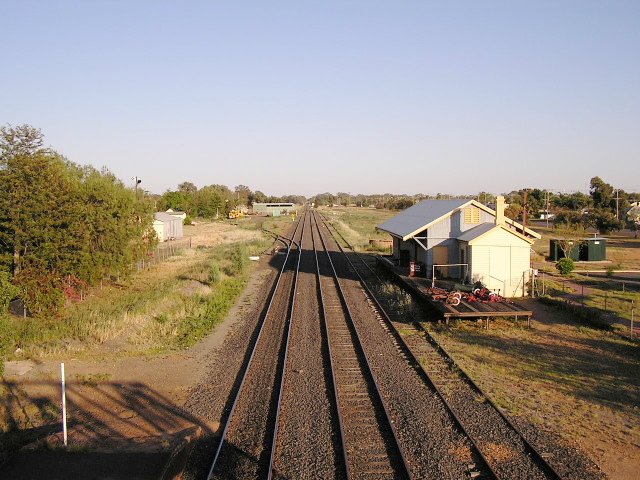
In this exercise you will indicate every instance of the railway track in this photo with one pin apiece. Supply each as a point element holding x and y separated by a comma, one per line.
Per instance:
<point>369,442</point>
<point>245,447</point>
<point>505,450</point>
<point>308,424</point>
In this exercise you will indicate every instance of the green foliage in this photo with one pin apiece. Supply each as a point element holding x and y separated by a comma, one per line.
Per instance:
<point>8,291</point>
<point>41,291</point>
<point>604,220</point>
<point>239,260</point>
<point>569,219</point>
<point>215,274</point>
<point>58,219</point>
<point>216,306</point>
<point>187,220</point>
<point>610,271</point>
<point>565,266</point>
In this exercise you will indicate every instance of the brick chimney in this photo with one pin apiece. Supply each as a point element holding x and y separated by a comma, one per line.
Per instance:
<point>500,210</point>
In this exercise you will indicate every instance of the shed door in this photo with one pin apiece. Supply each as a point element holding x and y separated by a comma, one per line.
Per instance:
<point>441,257</point>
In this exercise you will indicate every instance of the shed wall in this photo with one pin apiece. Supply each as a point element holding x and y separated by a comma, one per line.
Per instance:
<point>501,261</point>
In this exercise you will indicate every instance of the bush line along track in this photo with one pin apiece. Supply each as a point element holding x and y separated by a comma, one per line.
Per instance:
<point>505,450</point>
<point>247,434</point>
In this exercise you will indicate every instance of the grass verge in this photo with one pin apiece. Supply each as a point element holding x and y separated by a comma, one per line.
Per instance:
<point>168,307</point>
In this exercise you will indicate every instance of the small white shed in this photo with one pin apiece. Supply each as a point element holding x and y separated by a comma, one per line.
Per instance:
<point>176,213</point>
<point>167,227</point>
<point>497,256</point>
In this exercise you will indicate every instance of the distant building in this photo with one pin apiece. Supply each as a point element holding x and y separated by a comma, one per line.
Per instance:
<point>167,226</point>
<point>273,209</point>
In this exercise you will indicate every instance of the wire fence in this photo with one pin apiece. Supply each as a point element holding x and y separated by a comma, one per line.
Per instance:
<point>612,300</point>
<point>164,251</point>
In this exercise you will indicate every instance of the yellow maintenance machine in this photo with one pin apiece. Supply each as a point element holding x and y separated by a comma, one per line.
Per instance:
<point>235,214</point>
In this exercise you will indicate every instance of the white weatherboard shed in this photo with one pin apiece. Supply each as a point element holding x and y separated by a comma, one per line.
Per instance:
<point>167,226</point>
<point>476,242</point>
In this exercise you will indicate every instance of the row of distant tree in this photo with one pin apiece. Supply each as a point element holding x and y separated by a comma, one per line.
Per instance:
<point>212,201</point>
<point>62,226</point>
<point>604,208</point>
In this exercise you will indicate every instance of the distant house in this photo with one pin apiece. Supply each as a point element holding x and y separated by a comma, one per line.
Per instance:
<point>167,226</point>
<point>176,213</point>
<point>463,239</point>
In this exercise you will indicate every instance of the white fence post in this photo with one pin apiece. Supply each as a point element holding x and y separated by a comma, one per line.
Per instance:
<point>64,406</point>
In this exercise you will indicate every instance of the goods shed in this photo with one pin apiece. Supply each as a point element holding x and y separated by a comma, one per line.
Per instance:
<point>273,209</point>
<point>463,240</point>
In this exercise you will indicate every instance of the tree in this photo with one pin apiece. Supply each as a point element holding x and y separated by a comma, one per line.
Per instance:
<point>574,201</point>
<point>601,193</point>
<point>513,211</point>
<point>187,188</point>
<point>257,197</point>
<point>569,220</point>
<point>19,141</point>
<point>603,220</point>
<point>60,221</point>
<point>242,194</point>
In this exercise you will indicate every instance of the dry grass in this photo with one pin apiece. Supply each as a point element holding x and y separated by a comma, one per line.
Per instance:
<point>148,314</point>
<point>357,225</point>
<point>581,382</point>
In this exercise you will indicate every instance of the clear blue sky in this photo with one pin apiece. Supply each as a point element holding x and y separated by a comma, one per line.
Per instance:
<point>313,96</point>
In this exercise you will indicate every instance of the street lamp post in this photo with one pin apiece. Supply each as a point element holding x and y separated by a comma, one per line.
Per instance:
<point>136,182</point>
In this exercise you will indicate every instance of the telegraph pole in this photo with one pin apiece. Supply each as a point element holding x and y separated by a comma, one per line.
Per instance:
<point>547,209</point>
<point>136,182</point>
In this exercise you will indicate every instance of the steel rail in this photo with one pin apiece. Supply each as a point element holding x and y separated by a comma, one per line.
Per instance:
<point>253,351</point>
<point>349,316</point>
<point>546,467</point>
<point>341,427</point>
<point>286,348</point>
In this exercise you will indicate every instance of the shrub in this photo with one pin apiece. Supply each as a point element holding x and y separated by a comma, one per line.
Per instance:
<point>238,259</point>
<point>565,266</point>
<point>42,292</point>
<point>610,271</point>
<point>187,220</point>
<point>8,291</point>
<point>214,273</point>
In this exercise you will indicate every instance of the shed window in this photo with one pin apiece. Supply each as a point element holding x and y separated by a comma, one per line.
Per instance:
<point>471,215</point>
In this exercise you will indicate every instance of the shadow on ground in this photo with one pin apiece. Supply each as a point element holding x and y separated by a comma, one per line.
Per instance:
<point>603,369</point>
<point>116,430</point>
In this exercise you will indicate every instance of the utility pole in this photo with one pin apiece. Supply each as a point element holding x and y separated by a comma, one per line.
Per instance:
<point>524,209</point>
<point>547,208</point>
<point>136,181</point>
<point>617,203</point>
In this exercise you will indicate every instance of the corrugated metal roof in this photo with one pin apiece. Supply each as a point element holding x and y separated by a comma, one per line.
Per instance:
<point>420,215</point>
<point>476,232</point>
<point>165,217</point>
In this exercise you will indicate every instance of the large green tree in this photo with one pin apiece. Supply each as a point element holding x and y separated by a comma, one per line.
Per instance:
<point>60,221</point>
